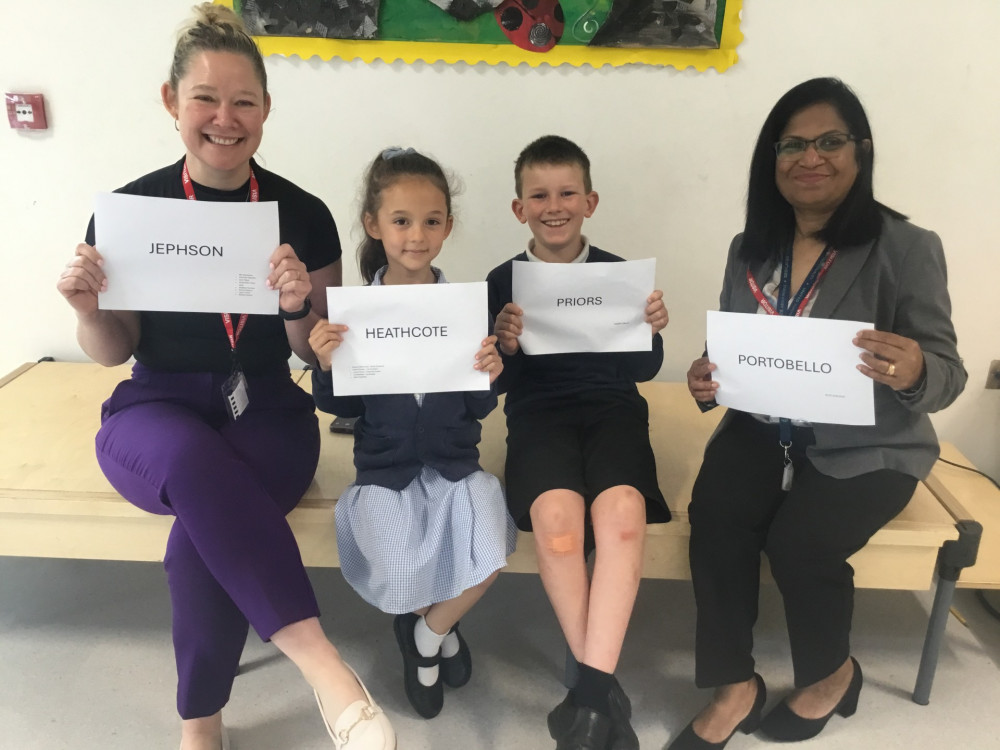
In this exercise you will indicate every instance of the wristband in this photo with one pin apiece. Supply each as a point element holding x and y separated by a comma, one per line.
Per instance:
<point>306,307</point>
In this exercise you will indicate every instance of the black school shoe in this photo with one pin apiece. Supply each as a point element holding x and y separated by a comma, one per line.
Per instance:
<point>426,701</point>
<point>621,737</point>
<point>457,670</point>
<point>589,730</point>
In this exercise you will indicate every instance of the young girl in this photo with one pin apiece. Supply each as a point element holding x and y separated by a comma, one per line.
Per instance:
<point>423,530</point>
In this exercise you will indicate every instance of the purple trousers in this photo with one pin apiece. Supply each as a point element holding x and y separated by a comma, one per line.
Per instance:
<point>167,445</point>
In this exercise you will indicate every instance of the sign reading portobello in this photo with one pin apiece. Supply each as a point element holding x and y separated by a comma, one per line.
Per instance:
<point>782,366</point>
<point>186,256</point>
<point>416,338</point>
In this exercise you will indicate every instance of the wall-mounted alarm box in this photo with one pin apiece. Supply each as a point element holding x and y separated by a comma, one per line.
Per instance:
<point>26,111</point>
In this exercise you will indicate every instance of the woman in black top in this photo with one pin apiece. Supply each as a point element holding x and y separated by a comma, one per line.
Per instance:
<point>168,440</point>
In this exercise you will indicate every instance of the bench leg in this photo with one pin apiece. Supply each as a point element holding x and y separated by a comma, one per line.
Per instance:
<point>943,596</point>
<point>953,557</point>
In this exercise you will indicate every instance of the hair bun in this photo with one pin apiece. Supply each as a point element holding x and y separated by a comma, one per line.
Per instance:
<point>218,16</point>
<point>214,28</point>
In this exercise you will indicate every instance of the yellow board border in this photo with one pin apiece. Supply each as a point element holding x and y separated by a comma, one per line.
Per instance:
<point>494,54</point>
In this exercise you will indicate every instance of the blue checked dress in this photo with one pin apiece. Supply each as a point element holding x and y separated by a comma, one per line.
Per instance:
<point>403,550</point>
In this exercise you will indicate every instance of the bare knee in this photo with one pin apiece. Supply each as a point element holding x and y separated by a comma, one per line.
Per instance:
<point>557,521</point>
<point>620,513</point>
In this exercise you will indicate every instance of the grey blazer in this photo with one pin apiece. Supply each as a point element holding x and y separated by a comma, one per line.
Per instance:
<point>899,282</point>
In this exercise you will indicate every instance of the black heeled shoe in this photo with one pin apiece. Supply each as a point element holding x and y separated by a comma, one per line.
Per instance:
<point>784,725</point>
<point>689,740</point>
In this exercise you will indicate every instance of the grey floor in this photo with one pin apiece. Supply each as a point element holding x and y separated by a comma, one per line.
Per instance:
<point>86,663</point>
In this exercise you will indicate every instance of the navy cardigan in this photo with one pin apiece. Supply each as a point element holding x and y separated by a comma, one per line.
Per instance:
<point>394,437</point>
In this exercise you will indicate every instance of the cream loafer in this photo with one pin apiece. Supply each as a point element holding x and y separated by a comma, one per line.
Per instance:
<point>362,726</point>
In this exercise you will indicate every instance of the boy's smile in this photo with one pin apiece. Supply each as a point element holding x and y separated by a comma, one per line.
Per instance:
<point>554,203</point>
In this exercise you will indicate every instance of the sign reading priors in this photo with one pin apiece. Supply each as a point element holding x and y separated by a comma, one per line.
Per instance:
<point>414,338</point>
<point>786,366</point>
<point>584,307</point>
<point>185,256</point>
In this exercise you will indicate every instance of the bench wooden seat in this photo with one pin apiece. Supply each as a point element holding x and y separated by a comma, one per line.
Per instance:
<point>55,502</point>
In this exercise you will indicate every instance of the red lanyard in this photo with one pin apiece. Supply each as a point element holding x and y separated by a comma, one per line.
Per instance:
<point>816,275</point>
<point>227,319</point>
<point>189,190</point>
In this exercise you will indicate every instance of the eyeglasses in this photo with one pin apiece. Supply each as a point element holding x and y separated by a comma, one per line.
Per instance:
<point>828,143</point>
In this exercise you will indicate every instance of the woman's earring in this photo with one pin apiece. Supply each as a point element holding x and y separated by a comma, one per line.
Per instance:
<point>176,126</point>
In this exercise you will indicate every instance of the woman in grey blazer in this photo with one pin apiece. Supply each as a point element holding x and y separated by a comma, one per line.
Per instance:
<point>817,243</point>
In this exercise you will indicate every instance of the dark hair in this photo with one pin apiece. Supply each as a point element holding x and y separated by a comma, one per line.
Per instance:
<point>554,150</point>
<point>770,224</point>
<point>215,28</point>
<point>389,166</point>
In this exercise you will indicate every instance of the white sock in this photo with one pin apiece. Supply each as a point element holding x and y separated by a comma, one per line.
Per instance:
<point>428,644</point>
<point>449,647</point>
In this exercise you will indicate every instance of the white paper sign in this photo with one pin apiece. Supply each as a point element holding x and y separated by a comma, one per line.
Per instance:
<point>186,256</point>
<point>584,307</point>
<point>784,366</point>
<point>412,338</point>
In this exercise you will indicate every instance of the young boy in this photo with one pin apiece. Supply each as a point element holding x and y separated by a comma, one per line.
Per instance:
<point>577,452</point>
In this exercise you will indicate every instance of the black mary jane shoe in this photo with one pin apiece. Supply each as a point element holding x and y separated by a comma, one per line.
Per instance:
<point>589,730</point>
<point>426,700</point>
<point>784,725</point>
<point>689,740</point>
<point>457,670</point>
<point>622,735</point>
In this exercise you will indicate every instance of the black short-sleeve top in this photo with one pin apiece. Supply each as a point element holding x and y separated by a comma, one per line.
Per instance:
<point>197,342</point>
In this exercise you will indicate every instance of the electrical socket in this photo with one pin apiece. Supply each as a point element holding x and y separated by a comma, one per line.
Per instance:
<point>993,378</point>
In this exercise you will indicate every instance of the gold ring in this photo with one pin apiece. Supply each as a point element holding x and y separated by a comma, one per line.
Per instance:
<point>891,371</point>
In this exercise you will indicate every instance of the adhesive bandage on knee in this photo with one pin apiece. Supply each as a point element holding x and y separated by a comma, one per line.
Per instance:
<point>561,545</point>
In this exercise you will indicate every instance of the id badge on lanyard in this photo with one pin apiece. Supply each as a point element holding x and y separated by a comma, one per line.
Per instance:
<point>234,390</point>
<point>795,307</point>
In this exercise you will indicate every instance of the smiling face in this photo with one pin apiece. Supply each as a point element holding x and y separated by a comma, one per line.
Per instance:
<point>816,182</point>
<point>553,203</point>
<point>220,107</point>
<point>413,222</point>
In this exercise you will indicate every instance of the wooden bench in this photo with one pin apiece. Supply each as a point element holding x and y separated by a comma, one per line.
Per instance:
<point>55,502</point>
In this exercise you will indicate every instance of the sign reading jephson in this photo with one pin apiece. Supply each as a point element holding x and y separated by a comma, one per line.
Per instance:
<point>168,248</point>
<point>186,255</point>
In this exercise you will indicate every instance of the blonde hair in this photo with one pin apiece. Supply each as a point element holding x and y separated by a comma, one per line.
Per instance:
<point>214,28</point>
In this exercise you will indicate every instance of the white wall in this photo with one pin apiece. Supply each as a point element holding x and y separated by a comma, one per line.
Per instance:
<point>670,150</point>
